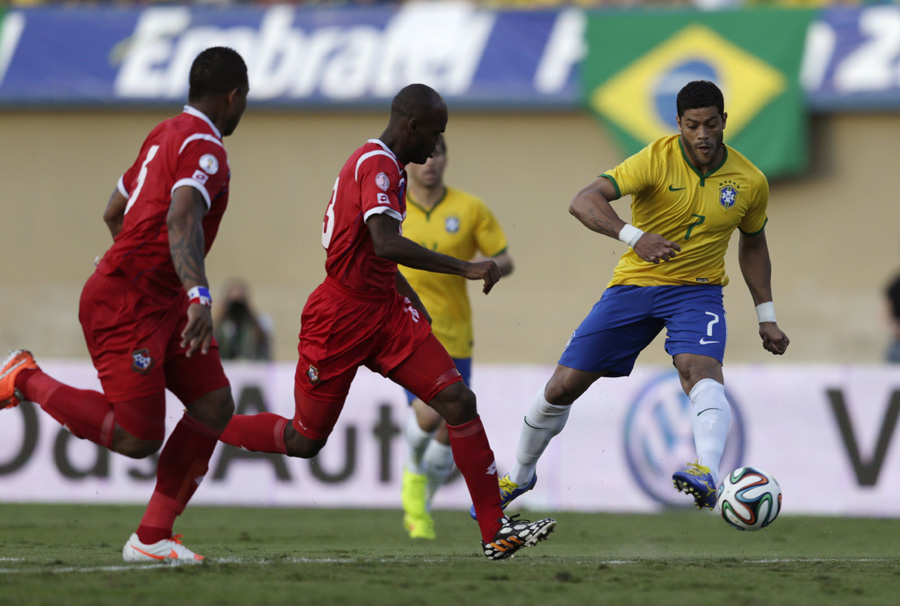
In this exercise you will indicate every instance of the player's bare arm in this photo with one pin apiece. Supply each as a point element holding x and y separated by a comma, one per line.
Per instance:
<point>756,267</point>
<point>115,212</point>
<point>187,246</point>
<point>592,207</point>
<point>406,290</point>
<point>390,244</point>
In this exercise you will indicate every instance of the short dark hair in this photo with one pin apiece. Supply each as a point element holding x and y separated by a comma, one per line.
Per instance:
<point>413,99</point>
<point>697,94</point>
<point>216,71</point>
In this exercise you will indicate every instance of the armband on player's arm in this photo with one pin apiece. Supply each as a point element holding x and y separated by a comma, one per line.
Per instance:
<point>765,312</point>
<point>630,234</point>
<point>200,295</point>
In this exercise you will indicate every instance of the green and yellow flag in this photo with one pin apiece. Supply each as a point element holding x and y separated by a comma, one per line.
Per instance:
<point>637,63</point>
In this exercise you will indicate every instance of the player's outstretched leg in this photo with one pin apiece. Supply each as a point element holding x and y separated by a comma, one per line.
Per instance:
<point>509,491</point>
<point>697,480</point>
<point>516,534</point>
<point>17,361</point>
<point>166,550</point>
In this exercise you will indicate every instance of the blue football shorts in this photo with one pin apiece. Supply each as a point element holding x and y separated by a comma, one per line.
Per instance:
<point>627,318</point>
<point>463,365</point>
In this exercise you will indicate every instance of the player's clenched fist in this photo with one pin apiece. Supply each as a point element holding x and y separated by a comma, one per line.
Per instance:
<point>484,270</point>
<point>773,338</point>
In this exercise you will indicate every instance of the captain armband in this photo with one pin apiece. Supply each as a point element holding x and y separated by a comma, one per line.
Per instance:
<point>765,312</point>
<point>630,234</point>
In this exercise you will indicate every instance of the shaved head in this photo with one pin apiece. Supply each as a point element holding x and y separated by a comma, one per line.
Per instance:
<point>415,100</point>
<point>418,118</point>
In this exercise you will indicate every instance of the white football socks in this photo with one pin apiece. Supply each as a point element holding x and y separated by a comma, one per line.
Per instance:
<point>710,417</point>
<point>437,465</point>
<point>543,421</point>
<point>416,441</point>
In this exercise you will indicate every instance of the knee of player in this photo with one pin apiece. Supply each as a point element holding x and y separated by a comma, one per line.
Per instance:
<point>134,448</point>
<point>298,445</point>
<point>214,409</point>
<point>561,393</point>
<point>459,404</point>
<point>223,407</point>
<point>693,369</point>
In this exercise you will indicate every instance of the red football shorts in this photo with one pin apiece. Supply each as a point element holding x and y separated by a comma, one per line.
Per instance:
<point>135,344</point>
<point>343,330</point>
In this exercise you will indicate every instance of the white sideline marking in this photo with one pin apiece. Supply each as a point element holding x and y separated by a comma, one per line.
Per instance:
<point>158,565</point>
<point>263,561</point>
<point>118,568</point>
<point>781,560</point>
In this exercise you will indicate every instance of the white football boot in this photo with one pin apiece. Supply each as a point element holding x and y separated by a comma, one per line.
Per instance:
<point>167,550</point>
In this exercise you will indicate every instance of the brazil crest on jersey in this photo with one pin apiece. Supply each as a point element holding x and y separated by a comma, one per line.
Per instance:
<point>699,212</point>
<point>459,225</point>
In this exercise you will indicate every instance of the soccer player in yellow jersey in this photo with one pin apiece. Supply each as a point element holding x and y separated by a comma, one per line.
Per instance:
<point>458,224</point>
<point>689,193</point>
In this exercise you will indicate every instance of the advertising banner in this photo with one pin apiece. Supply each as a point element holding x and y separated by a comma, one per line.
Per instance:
<point>637,63</point>
<point>354,57</point>
<point>335,57</point>
<point>826,433</point>
<point>852,57</point>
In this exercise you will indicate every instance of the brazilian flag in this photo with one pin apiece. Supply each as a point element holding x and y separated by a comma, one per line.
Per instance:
<point>637,63</point>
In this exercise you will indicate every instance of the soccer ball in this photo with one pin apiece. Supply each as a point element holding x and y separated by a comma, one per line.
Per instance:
<point>749,499</point>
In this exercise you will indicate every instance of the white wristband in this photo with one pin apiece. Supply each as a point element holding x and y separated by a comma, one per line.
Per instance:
<point>765,312</point>
<point>630,234</point>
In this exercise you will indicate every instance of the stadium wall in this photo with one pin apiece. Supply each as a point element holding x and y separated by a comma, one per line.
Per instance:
<point>833,233</point>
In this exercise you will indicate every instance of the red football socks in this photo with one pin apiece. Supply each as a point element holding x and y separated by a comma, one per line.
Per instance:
<point>475,460</point>
<point>263,432</point>
<point>87,414</point>
<point>182,464</point>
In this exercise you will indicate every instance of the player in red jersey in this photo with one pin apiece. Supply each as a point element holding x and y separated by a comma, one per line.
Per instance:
<point>366,314</point>
<point>145,311</point>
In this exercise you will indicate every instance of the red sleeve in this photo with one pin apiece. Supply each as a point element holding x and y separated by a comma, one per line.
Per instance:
<point>379,186</point>
<point>203,164</point>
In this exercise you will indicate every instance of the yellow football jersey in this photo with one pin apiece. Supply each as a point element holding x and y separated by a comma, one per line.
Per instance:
<point>459,225</point>
<point>699,212</point>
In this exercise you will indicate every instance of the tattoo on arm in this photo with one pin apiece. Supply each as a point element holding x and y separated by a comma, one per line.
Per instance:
<point>600,223</point>
<point>188,250</point>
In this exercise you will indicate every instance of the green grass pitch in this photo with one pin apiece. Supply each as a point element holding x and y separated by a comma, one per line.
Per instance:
<point>71,555</point>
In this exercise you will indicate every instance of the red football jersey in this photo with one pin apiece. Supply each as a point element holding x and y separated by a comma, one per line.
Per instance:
<point>185,150</point>
<point>372,181</point>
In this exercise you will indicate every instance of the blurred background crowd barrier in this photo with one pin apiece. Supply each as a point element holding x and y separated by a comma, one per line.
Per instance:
<point>633,432</point>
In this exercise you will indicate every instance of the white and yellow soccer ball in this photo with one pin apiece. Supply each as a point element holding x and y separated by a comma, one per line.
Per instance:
<point>749,499</point>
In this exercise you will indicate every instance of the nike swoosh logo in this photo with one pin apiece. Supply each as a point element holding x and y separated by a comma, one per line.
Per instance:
<point>705,342</point>
<point>676,188</point>
<point>172,554</point>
